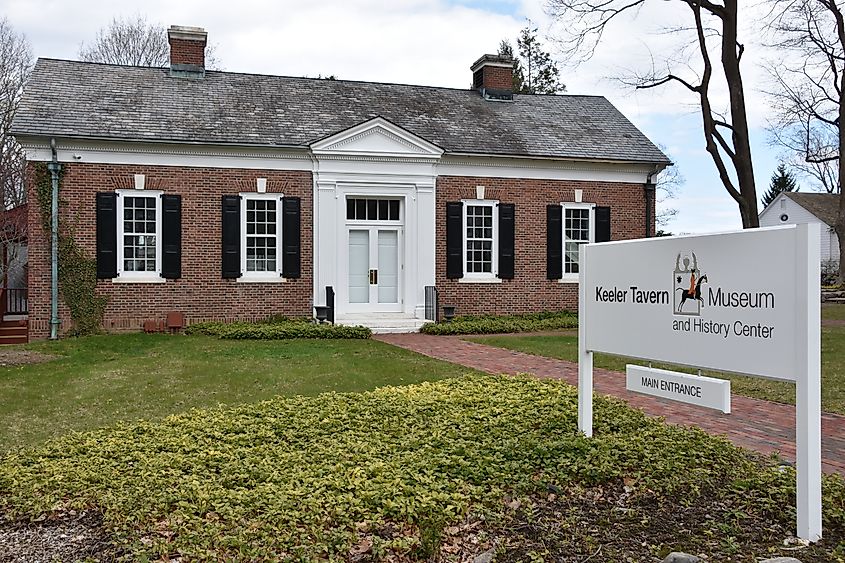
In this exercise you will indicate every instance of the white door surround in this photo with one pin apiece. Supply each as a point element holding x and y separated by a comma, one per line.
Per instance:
<point>374,160</point>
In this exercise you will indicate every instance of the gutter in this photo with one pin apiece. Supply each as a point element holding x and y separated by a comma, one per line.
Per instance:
<point>649,190</point>
<point>55,168</point>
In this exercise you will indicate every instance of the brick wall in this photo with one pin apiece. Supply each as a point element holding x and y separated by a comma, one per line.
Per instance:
<point>529,291</point>
<point>201,293</point>
<point>187,52</point>
<point>498,78</point>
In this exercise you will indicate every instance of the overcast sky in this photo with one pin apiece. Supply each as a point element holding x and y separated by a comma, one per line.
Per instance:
<point>433,42</point>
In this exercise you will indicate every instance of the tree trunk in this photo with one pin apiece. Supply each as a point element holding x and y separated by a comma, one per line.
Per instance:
<point>742,146</point>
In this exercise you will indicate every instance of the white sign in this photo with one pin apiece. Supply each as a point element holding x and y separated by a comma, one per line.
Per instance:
<point>722,302</point>
<point>707,392</point>
<point>744,302</point>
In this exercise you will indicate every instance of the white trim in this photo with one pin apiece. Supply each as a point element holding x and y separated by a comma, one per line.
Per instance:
<point>493,275</point>
<point>276,275</point>
<point>168,154</point>
<point>479,280</point>
<point>122,279</point>
<point>124,276</point>
<point>573,277</point>
<point>490,166</point>
<point>396,142</point>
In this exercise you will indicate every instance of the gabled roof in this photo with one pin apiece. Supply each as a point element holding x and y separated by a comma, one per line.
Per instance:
<point>98,101</point>
<point>823,206</point>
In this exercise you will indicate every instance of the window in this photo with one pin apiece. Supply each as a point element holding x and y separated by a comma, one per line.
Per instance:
<point>578,229</point>
<point>139,234</point>
<point>365,209</point>
<point>480,247</point>
<point>261,236</point>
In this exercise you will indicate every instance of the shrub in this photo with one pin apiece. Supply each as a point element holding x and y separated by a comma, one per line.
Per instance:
<point>490,324</point>
<point>295,478</point>
<point>278,330</point>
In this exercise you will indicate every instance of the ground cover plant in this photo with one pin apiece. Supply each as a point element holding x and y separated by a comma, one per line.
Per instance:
<point>493,324</point>
<point>564,346</point>
<point>98,380</point>
<point>404,472</point>
<point>283,330</point>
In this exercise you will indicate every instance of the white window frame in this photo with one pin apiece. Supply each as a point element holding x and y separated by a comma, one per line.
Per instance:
<point>573,277</point>
<point>132,276</point>
<point>493,275</point>
<point>272,276</point>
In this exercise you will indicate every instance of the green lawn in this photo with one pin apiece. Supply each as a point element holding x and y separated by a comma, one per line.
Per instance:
<point>102,379</point>
<point>833,311</point>
<point>565,347</point>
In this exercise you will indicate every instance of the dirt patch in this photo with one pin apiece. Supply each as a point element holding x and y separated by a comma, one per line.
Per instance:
<point>616,524</point>
<point>833,322</point>
<point>14,357</point>
<point>67,537</point>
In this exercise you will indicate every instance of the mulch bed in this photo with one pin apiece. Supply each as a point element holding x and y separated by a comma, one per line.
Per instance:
<point>608,524</point>
<point>66,537</point>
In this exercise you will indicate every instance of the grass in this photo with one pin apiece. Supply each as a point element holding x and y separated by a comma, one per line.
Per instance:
<point>565,347</point>
<point>102,379</point>
<point>833,311</point>
<point>383,473</point>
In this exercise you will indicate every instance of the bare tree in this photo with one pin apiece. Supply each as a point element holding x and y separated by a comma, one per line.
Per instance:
<point>15,67</point>
<point>668,183</point>
<point>712,27</point>
<point>809,97</point>
<point>135,41</point>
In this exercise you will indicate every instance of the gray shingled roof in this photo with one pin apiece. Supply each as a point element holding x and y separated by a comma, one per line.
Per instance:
<point>823,206</point>
<point>87,100</point>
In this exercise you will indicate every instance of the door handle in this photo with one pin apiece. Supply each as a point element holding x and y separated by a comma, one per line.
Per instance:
<point>373,277</point>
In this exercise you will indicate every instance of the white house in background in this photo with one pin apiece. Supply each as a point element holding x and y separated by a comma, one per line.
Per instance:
<point>793,208</point>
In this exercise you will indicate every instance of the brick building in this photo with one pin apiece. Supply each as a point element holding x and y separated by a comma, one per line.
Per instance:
<point>234,196</point>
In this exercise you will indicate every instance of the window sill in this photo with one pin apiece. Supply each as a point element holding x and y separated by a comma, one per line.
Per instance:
<point>568,280</point>
<point>130,279</point>
<point>480,280</point>
<point>275,279</point>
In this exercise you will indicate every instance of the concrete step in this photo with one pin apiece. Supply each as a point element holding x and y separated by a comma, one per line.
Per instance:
<point>387,323</point>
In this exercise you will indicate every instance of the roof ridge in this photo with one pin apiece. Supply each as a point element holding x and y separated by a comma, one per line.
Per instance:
<point>312,78</point>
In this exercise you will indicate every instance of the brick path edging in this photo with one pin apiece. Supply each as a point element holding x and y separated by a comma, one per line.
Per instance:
<point>758,425</point>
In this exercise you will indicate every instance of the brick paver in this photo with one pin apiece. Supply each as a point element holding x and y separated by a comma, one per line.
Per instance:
<point>755,424</point>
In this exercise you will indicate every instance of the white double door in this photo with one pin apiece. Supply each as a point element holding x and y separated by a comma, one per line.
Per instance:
<point>375,266</point>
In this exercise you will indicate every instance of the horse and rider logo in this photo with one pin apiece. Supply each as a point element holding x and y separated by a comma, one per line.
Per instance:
<point>687,281</point>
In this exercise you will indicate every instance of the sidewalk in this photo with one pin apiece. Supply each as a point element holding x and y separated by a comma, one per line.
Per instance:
<point>755,424</point>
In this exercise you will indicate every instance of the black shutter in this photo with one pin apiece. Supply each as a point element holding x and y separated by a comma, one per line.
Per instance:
<point>454,239</point>
<point>290,237</point>
<point>554,242</point>
<point>602,224</point>
<point>106,235</point>
<point>171,236</point>
<point>231,236</point>
<point>507,227</point>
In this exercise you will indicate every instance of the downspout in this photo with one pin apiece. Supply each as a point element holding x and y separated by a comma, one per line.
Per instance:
<point>55,168</point>
<point>648,193</point>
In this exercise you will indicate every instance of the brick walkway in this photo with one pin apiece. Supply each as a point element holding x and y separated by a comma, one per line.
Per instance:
<point>759,425</point>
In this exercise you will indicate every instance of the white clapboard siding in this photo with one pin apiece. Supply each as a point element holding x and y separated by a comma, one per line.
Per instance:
<point>770,217</point>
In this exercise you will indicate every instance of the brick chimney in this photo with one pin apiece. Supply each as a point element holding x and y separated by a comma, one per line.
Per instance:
<point>187,51</point>
<point>492,76</point>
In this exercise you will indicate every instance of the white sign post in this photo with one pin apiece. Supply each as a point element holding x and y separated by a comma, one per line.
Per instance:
<point>743,302</point>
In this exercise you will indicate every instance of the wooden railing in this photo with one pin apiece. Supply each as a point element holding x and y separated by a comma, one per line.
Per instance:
<point>14,301</point>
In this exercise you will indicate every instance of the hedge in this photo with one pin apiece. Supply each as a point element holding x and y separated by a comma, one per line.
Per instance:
<point>531,322</point>
<point>277,330</point>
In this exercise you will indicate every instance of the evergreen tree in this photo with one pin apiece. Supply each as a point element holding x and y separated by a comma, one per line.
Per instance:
<point>534,70</point>
<point>782,181</point>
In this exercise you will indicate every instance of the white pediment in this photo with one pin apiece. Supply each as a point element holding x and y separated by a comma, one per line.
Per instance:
<point>376,138</point>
